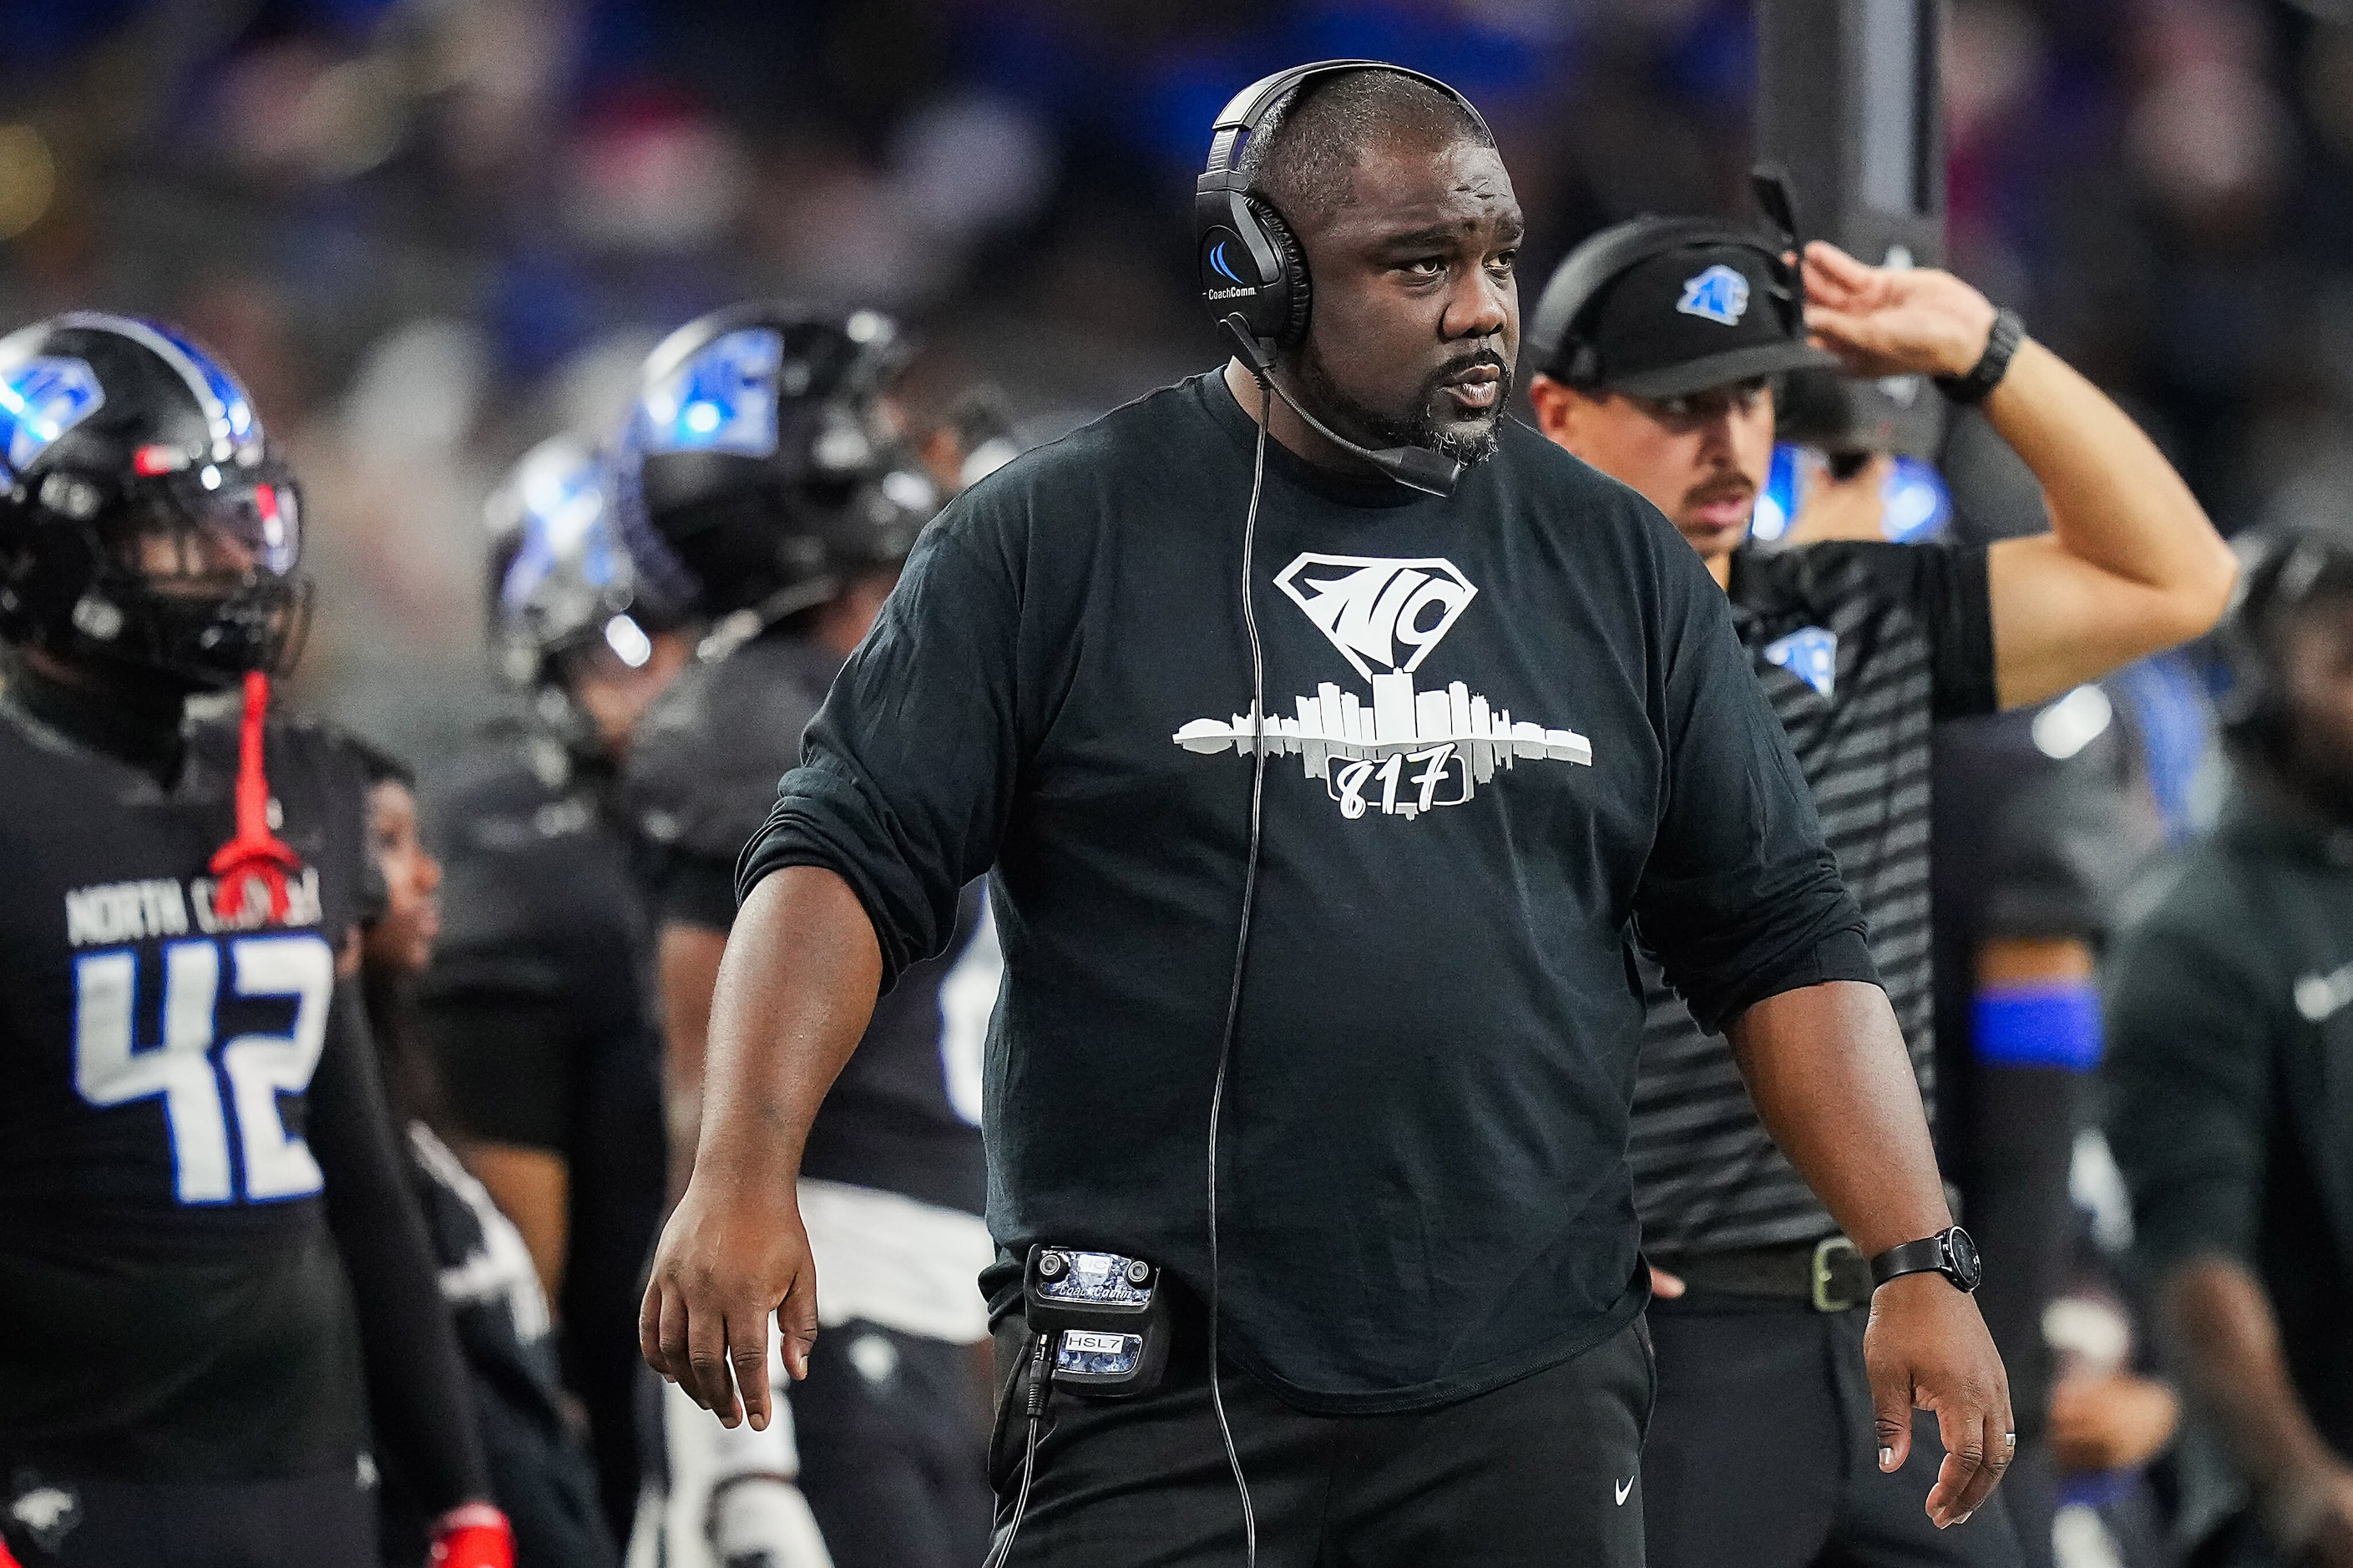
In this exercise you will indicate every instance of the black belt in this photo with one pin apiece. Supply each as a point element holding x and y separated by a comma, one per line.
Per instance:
<point>1830,1276</point>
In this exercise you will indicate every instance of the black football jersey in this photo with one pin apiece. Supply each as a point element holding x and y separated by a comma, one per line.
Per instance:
<point>904,1116</point>
<point>171,1302</point>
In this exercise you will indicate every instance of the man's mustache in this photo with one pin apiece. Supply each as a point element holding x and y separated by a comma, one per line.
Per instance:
<point>1724,487</point>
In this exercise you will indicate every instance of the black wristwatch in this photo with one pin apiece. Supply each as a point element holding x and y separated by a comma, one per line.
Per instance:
<point>2001,343</point>
<point>1950,1253</point>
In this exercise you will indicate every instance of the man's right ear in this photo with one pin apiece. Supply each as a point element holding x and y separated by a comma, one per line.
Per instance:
<point>1554,402</point>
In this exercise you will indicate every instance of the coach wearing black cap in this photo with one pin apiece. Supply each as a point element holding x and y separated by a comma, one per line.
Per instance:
<point>1655,348</point>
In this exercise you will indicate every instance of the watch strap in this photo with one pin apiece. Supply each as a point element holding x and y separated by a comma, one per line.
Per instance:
<point>1921,1257</point>
<point>2002,344</point>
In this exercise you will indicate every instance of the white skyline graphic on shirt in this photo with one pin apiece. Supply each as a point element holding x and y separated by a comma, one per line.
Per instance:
<point>1404,752</point>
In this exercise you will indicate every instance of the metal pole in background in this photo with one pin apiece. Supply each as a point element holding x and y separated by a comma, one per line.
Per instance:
<point>1849,103</point>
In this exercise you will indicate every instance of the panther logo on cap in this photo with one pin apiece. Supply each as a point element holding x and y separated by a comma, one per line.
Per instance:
<point>1720,294</point>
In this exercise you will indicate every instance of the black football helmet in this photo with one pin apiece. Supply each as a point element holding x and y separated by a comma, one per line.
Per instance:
<point>2281,571</point>
<point>760,467</point>
<point>144,520</point>
<point>559,577</point>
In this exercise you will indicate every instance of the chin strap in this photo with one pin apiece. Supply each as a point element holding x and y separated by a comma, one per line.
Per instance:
<point>256,861</point>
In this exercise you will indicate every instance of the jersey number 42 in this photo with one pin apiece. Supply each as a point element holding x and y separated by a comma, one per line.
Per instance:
<point>205,1092</point>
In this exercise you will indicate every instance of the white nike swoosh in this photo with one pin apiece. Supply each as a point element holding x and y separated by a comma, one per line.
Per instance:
<point>1625,1488</point>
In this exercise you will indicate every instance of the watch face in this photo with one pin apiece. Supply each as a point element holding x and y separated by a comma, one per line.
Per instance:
<point>1962,1265</point>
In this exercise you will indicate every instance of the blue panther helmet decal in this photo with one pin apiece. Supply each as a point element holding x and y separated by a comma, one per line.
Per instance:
<point>754,428</point>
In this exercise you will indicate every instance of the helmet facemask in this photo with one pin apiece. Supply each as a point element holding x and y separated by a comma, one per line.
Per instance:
<point>194,575</point>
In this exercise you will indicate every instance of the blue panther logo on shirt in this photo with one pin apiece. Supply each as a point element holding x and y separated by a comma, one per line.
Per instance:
<point>1811,654</point>
<point>1719,294</point>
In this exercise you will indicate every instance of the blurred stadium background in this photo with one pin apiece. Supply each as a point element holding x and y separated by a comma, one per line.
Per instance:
<point>429,232</point>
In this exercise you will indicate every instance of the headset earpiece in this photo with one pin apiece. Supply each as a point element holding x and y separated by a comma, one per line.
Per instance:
<point>1292,296</point>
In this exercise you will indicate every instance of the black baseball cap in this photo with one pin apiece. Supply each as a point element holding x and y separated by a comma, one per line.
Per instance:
<point>1694,305</point>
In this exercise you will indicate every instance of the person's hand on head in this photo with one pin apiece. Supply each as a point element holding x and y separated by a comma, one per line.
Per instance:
<point>733,1252</point>
<point>1926,1348</point>
<point>1886,321</point>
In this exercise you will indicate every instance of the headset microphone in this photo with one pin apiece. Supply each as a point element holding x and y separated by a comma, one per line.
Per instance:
<point>1415,468</point>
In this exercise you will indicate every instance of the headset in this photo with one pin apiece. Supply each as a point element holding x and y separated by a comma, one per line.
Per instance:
<point>1556,335</point>
<point>1254,276</point>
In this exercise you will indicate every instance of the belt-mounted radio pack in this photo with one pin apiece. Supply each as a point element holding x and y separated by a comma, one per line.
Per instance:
<point>1098,1325</point>
<point>1106,1316</point>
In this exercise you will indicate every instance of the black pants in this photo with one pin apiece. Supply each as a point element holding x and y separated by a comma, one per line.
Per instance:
<point>1541,1471</point>
<point>892,1435</point>
<point>1762,1451</point>
<point>304,1521</point>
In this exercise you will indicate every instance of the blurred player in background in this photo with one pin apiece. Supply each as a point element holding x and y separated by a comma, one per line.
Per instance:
<point>211,1270</point>
<point>765,480</point>
<point>1656,346</point>
<point>539,1466</point>
<point>540,1006</point>
<point>2231,1087</point>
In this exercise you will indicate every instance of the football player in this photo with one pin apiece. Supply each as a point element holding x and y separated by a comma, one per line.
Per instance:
<point>765,479</point>
<point>211,1271</point>
<point>539,1007</point>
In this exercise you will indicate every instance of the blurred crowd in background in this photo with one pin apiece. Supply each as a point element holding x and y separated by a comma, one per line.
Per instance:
<point>431,232</point>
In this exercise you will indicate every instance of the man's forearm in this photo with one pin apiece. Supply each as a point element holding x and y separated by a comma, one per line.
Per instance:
<point>2131,566</point>
<point>2228,1346</point>
<point>794,995</point>
<point>2114,502</point>
<point>1826,1068</point>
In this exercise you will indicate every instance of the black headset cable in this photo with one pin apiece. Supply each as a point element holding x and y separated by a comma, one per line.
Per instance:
<point>1241,946</point>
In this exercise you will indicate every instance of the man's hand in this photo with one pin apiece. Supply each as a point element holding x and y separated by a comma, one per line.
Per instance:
<point>733,1252</point>
<point>2111,1420</point>
<point>1926,1348</point>
<point>1882,321</point>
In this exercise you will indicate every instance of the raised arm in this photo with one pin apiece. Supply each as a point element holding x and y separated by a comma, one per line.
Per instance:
<point>2131,566</point>
<point>796,989</point>
<point>1826,1068</point>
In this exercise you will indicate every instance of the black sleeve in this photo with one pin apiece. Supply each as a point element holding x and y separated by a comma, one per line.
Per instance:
<point>417,1393</point>
<point>696,891</point>
<point>907,773</point>
<point>1740,899</point>
<point>507,1061</point>
<point>1947,586</point>
<point>2189,1079</point>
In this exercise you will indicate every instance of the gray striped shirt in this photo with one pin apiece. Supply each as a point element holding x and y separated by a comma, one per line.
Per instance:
<point>1861,648</point>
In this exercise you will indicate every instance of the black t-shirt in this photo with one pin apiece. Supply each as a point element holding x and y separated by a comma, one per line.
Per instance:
<point>2229,1016</point>
<point>172,1303</point>
<point>903,1117</point>
<point>540,1014</point>
<point>1505,728</point>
